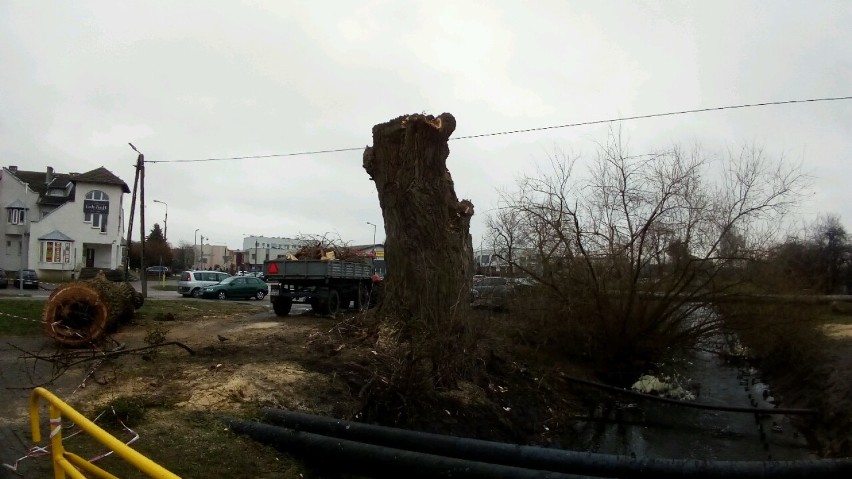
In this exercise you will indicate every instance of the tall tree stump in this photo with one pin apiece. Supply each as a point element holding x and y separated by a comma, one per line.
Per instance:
<point>80,314</point>
<point>428,248</point>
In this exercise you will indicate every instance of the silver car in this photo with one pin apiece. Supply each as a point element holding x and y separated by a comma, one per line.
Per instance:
<point>191,283</point>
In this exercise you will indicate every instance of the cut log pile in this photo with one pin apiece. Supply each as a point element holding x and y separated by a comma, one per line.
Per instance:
<point>320,250</point>
<point>82,313</point>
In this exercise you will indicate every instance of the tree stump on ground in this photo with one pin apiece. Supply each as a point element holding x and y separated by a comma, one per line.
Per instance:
<point>81,313</point>
<point>428,246</point>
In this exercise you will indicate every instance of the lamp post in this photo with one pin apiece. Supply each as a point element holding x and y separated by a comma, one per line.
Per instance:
<point>373,260</point>
<point>194,247</point>
<point>165,221</point>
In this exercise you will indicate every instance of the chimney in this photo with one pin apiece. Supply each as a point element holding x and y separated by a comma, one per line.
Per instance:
<point>49,176</point>
<point>13,168</point>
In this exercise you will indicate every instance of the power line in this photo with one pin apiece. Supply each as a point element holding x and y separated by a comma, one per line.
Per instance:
<point>250,157</point>
<point>653,115</point>
<point>527,130</point>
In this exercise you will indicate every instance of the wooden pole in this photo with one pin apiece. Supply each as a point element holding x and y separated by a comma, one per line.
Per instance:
<point>139,161</point>
<point>142,273</point>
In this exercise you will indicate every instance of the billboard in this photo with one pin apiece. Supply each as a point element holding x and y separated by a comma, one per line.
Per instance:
<point>91,206</point>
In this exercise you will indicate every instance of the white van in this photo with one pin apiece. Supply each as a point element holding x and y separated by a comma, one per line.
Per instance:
<point>192,282</point>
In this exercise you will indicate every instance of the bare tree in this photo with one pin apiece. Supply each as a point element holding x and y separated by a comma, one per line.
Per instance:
<point>504,236</point>
<point>631,250</point>
<point>833,251</point>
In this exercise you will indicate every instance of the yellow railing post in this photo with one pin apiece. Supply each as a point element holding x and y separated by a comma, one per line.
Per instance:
<point>64,462</point>
<point>56,449</point>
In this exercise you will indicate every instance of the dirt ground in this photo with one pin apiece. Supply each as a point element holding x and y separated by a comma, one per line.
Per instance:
<point>252,359</point>
<point>246,358</point>
<point>174,399</point>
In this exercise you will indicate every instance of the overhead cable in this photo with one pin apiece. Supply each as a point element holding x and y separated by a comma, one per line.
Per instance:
<point>525,130</point>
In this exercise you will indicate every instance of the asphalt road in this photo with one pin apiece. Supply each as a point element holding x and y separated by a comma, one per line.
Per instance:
<point>45,289</point>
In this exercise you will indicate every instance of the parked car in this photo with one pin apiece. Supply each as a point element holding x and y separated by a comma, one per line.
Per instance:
<point>29,278</point>
<point>237,287</point>
<point>4,280</point>
<point>191,283</point>
<point>497,292</point>
<point>158,271</point>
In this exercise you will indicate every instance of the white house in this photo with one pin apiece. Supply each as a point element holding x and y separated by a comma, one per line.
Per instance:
<point>58,223</point>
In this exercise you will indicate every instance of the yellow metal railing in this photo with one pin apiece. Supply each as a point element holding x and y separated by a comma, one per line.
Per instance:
<point>65,462</point>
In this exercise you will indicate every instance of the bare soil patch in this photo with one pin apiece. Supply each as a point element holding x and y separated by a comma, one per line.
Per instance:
<point>247,358</point>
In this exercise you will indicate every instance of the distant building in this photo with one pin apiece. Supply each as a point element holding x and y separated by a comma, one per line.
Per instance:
<point>57,223</point>
<point>257,249</point>
<point>490,262</point>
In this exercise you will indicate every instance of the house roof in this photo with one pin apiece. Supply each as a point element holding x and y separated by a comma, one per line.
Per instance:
<point>56,235</point>
<point>103,176</point>
<point>36,181</point>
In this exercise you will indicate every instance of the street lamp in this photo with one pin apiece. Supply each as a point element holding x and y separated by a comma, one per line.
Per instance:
<point>373,261</point>
<point>165,221</point>
<point>194,248</point>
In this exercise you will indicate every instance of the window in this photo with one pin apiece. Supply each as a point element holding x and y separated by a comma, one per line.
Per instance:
<point>55,251</point>
<point>17,216</point>
<point>96,209</point>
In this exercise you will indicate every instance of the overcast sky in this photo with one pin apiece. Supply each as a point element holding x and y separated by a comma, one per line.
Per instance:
<point>210,79</point>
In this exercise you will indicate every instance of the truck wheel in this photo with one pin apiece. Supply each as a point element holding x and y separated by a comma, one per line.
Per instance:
<point>282,306</point>
<point>332,305</point>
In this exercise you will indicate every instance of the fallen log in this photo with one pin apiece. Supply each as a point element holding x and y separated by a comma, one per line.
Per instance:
<point>82,313</point>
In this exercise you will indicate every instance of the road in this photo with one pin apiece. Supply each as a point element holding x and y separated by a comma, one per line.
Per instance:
<point>45,289</point>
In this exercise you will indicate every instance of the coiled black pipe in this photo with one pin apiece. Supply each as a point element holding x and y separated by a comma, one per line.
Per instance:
<point>570,462</point>
<point>371,460</point>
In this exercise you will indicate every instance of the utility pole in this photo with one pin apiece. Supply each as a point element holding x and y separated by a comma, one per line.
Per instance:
<point>140,160</point>
<point>202,251</point>
<point>194,249</point>
<point>142,270</point>
<point>373,260</point>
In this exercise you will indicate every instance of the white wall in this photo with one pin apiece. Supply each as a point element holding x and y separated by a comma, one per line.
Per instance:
<point>68,219</point>
<point>11,189</point>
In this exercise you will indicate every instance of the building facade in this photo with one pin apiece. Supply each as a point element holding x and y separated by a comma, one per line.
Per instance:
<point>257,249</point>
<point>57,223</point>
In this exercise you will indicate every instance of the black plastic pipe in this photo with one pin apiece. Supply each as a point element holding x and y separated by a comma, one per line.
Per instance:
<point>371,460</point>
<point>570,462</point>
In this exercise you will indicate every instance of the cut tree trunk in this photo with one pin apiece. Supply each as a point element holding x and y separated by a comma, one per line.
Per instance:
<point>428,247</point>
<point>80,314</point>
